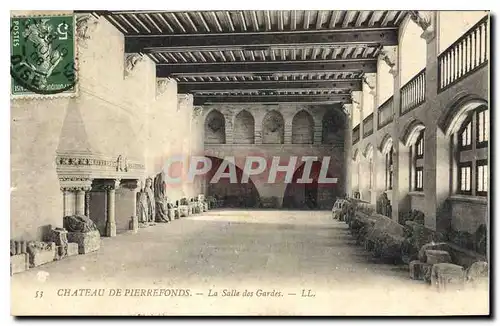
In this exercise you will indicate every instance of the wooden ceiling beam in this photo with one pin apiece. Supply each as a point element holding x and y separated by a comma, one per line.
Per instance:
<point>351,84</point>
<point>192,42</point>
<point>299,98</point>
<point>361,65</point>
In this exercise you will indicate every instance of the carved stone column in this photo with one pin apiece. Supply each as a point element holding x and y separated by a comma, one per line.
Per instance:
<point>110,187</point>
<point>80,202</point>
<point>67,208</point>
<point>74,188</point>
<point>287,132</point>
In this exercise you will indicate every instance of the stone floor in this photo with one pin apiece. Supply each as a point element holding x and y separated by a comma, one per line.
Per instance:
<point>312,260</point>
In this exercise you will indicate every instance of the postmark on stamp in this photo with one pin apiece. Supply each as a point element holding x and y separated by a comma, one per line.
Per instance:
<point>43,56</point>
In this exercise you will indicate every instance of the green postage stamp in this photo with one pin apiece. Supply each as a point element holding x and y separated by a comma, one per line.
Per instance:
<point>43,52</point>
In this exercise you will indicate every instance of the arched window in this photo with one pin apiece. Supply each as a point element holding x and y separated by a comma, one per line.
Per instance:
<point>389,168</point>
<point>472,154</point>
<point>369,157</point>
<point>417,151</point>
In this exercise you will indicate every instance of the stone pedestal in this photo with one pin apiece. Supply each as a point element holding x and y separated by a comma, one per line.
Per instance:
<point>134,224</point>
<point>437,256</point>
<point>60,238</point>
<point>19,263</point>
<point>447,276</point>
<point>87,242</point>
<point>420,271</point>
<point>184,210</point>
<point>72,249</point>
<point>41,253</point>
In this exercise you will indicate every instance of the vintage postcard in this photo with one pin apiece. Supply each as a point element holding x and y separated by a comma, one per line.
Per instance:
<point>250,162</point>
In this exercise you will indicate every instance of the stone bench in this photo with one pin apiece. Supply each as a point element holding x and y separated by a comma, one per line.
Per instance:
<point>87,241</point>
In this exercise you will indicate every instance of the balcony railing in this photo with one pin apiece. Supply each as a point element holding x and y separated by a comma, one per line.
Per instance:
<point>385,113</point>
<point>355,134</point>
<point>464,56</point>
<point>413,92</point>
<point>368,125</point>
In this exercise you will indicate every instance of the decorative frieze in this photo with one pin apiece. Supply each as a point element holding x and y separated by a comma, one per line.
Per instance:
<point>75,183</point>
<point>119,164</point>
<point>86,26</point>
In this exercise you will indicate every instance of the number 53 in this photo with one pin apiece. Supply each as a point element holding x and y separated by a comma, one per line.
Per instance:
<point>38,294</point>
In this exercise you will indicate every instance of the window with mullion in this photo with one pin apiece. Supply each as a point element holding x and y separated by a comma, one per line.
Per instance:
<point>465,135</point>
<point>419,178</point>
<point>419,146</point>
<point>482,128</point>
<point>465,178</point>
<point>482,178</point>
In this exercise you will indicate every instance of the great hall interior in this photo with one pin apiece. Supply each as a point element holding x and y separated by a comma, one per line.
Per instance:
<point>397,99</point>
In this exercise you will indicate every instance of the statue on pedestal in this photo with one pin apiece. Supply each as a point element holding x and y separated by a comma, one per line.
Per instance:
<point>161,198</point>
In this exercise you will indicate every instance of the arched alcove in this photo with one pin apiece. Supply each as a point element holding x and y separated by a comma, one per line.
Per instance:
<point>215,128</point>
<point>273,128</point>
<point>302,128</point>
<point>244,128</point>
<point>333,127</point>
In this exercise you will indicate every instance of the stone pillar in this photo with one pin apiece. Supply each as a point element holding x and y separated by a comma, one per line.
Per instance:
<point>74,189</point>
<point>348,162</point>
<point>357,101</point>
<point>437,145</point>
<point>257,133</point>
<point>80,202</point>
<point>318,131</point>
<point>288,132</point>
<point>228,128</point>
<point>401,160</point>
<point>67,208</point>
<point>110,187</point>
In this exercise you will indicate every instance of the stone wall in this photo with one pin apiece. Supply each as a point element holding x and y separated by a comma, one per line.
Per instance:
<point>121,109</point>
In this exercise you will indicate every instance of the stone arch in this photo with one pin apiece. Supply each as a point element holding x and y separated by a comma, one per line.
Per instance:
<point>244,128</point>
<point>385,144</point>
<point>368,151</point>
<point>412,131</point>
<point>215,127</point>
<point>302,128</point>
<point>312,195</point>
<point>273,128</point>
<point>455,114</point>
<point>412,50</point>
<point>332,127</point>
<point>237,194</point>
